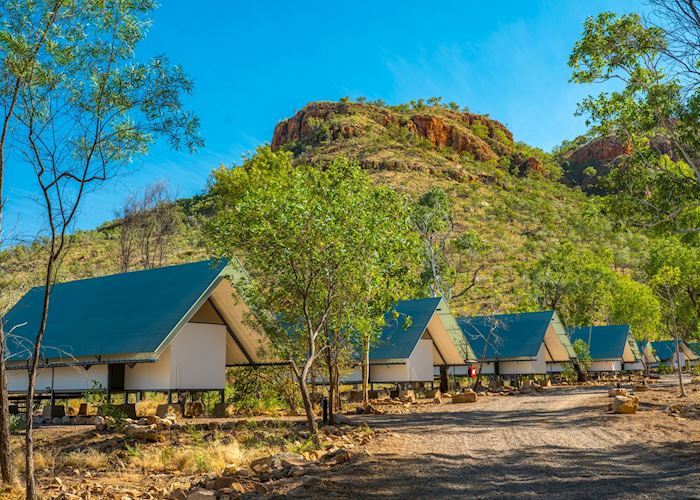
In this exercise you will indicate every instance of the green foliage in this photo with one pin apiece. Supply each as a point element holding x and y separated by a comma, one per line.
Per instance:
<point>654,112</point>
<point>16,423</point>
<point>446,257</point>
<point>674,268</point>
<point>635,303</point>
<point>97,397</point>
<point>327,251</point>
<point>261,389</point>
<point>585,290</point>
<point>568,372</point>
<point>664,369</point>
<point>574,282</point>
<point>583,355</point>
<point>590,172</point>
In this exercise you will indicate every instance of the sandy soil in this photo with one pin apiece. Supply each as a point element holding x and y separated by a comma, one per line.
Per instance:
<point>560,443</point>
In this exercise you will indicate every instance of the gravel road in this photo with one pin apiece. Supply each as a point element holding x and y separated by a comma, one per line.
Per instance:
<point>560,443</point>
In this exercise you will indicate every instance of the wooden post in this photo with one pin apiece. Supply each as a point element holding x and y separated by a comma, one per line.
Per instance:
<point>170,397</point>
<point>53,394</point>
<point>444,379</point>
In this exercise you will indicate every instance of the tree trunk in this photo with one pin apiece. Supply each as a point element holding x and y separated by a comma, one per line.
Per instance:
<point>331,386</point>
<point>6,473</point>
<point>338,403</point>
<point>679,369</point>
<point>444,381</point>
<point>29,479</point>
<point>678,347</point>
<point>365,371</point>
<point>308,406</point>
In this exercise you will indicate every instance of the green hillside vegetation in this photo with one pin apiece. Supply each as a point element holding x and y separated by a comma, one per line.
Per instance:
<point>507,193</point>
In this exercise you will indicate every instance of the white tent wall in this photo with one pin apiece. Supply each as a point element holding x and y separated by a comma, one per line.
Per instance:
<point>606,366</point>
<point>65,378</point>
<point>636,366</point>
<point>195,359</point>
<point>418,366</point>
<point>538,365</point>
<point>149,376</point>
<point>198,357</point>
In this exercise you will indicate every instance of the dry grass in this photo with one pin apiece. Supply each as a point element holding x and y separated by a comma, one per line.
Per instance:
<point>210,457</point>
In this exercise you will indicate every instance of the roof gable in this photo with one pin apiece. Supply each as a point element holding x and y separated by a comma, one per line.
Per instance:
<point>607,342</point>
<point>510,336</point>
<point>127,313</point>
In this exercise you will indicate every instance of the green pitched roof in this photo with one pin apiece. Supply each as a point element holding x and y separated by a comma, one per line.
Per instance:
<point>127,313</point>
<point>664,349</point>
<point>607,342</point>
<point>397,340</point>
<point>399,337</point>
<point>510,336</point>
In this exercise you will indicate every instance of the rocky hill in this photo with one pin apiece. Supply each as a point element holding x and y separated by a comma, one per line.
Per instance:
<point>508,193</point>
<point>432,139</point>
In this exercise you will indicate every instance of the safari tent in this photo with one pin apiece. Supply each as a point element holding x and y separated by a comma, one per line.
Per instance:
<point>612,347</point>
<point>666,352</point>
<point>418,335</point>
<point>169,329</point>
<point>518,344</point>
<point>649,357</point>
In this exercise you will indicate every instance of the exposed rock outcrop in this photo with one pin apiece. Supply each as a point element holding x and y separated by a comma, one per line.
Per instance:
<point>451,134</point>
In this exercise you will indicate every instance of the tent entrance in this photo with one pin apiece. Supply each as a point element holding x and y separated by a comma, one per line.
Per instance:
<point>115,377</point>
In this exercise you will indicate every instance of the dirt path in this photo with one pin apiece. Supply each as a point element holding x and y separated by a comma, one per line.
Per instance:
<point>557,444</point>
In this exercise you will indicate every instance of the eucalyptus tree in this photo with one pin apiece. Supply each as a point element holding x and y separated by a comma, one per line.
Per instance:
<point>448,257</point>
<point>654,109</point>
<point>85,107</point>
<point>328,254</point>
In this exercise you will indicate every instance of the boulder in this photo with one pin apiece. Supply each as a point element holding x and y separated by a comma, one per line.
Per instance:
<point>617,391</point>
<point>625,404</point>
<point>437,400</point>
<point>336,457</point>
<point>169,409</point>
<point>641,388</point>
<point>201,494</point>
<point>432,393</point>
<point>340,419</point>
<point>309,481</point>
<point>193,410</point>
<point>289,460</point>
<point>99,423</point>
<point>408,393</point>
<point>224,410</point>
<point>465,397</point>
<point>378,394</point>
<point>228,482</point>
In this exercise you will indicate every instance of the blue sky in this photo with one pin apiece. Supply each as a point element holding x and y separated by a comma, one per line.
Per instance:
<point>256,63</point>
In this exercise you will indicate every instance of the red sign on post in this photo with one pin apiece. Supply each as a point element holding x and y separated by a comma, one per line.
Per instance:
<point>472,371</point>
